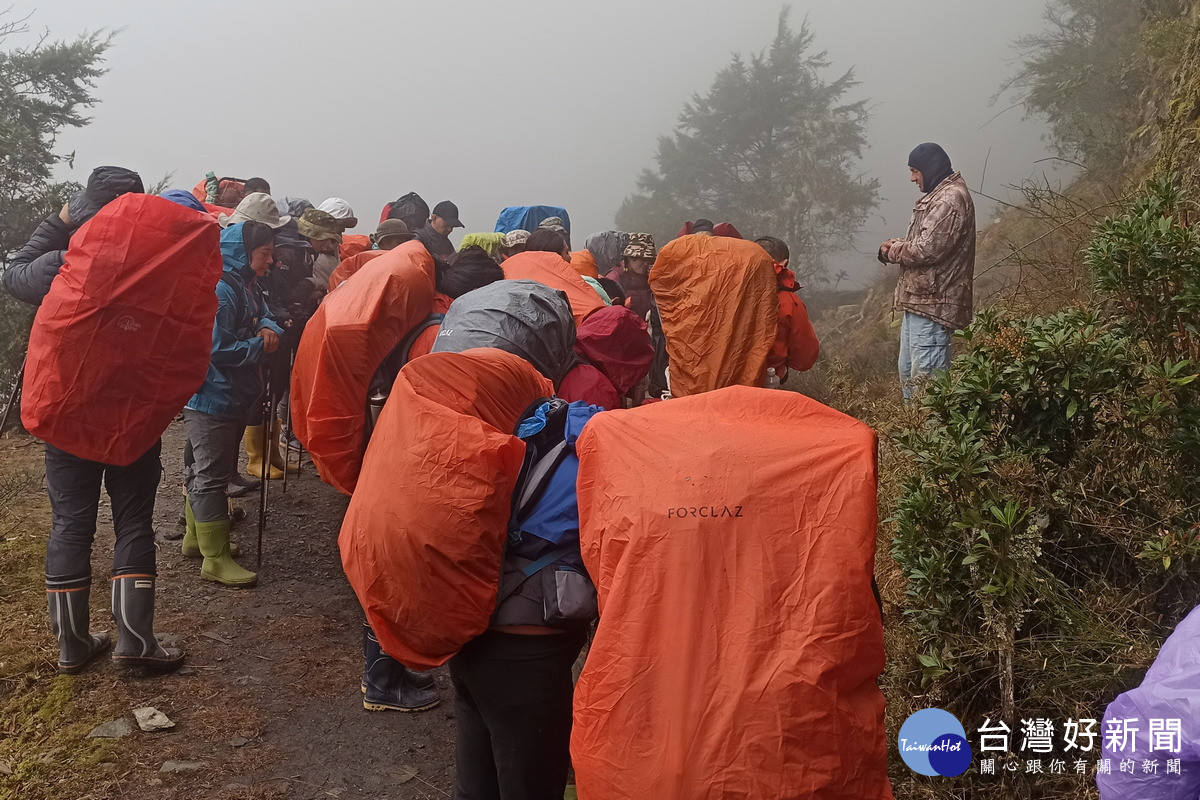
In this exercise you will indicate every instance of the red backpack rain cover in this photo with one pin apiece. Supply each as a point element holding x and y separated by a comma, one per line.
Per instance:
<point>424,534</point>
<point>123,338</point>
<point>731,537</point>
<point>354,329</point>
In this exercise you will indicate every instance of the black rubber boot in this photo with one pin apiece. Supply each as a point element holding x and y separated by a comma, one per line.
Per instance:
<point>70,625</point>
<point>133,609</point>
<point>386,683</point>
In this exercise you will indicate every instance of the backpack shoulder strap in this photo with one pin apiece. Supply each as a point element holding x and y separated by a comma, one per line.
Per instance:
<point>409,340</point>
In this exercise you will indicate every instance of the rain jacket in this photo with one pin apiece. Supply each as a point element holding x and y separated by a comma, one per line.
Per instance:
<point>437,244</point>
<point>31,271</point>
<point>638,297</point>
<point>796,343</point>
<point>937,257</point>
<point>235,374</point>
<point>553,271</point>
<point>719,310</point>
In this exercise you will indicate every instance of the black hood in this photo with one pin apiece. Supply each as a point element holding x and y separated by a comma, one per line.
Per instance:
<point>932,162</point>
<point>104,185</point>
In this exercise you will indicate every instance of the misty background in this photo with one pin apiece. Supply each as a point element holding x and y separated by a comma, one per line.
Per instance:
<point>494,104</point>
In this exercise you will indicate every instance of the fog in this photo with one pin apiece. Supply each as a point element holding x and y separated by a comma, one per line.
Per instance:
<point>492,104</point>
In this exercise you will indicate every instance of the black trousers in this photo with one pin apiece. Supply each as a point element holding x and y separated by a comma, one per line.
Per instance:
<point>513,712</point>
<point>74,485</point>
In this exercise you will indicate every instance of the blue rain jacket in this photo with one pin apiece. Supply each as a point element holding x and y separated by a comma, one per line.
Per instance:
<point>235,374</point>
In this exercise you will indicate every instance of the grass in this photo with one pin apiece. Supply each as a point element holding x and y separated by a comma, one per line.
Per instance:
<point>44,717</point>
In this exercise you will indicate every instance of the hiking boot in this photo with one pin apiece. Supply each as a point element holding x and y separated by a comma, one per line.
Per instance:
<point>277,459</point>
<point>386,683</point>
<point>69,623</point>
<point>256,465</point>
<point>240,485</point>
<point>133,609</point>
<point>189,547</point>
<point>219,566</point>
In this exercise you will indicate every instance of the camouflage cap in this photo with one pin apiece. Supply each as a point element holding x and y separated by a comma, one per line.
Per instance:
<point>553,223</point>
<point>317,224</point>
<point>515,238</point>
<point>641,245</point>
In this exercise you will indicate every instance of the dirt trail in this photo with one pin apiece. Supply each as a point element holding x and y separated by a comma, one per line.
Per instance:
<point>269,699</point>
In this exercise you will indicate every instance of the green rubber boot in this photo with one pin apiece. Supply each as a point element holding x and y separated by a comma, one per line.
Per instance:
<point>189,546</point>
<point>219,566</point>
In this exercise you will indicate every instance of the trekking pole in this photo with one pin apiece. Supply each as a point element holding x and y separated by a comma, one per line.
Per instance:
<point>268,423</point>
<point>13,397</point>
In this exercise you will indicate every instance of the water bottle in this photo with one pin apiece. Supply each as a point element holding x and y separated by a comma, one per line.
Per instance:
<point>772,378</point>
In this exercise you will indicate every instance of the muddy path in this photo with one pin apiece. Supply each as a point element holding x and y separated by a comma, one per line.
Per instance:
<point>269,703</point>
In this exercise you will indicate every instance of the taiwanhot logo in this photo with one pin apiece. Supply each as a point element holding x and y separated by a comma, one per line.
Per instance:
<point>933,742</point>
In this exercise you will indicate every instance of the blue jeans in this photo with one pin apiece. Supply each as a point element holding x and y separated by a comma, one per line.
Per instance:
<point>924,347</point>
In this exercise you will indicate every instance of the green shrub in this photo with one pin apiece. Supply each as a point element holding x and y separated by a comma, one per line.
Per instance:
<point>1047,526</point>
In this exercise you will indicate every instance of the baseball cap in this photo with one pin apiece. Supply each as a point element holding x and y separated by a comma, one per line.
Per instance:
<point>449,212</point>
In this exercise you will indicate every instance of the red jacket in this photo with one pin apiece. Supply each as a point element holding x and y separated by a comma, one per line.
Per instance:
<point>796,344</point>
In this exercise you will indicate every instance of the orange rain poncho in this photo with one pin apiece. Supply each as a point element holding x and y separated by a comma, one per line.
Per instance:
<point>353,330</point>
<point>550,269</point>
<point>351,265</point>
<point>584,264</point>
<point>731,537</point>
<point>716,297</point>
<point>123,338</point>
<point>423,537</point>
<point>353,244</point>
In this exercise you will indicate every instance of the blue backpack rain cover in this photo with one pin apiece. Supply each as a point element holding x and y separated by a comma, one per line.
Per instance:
<point>527,218</point>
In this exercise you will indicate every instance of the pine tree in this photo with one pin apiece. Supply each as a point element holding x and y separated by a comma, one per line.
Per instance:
<point>772,147</point>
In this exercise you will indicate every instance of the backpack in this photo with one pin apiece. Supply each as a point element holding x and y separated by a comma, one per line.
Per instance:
<point>543,580</point>
<point>411,210</point>
<point>385,376</point>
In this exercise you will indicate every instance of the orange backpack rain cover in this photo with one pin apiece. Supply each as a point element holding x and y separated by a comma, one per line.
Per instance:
<point>550,269</point>
<point>348,266</point>
<point>353,244</point>
<point>123,338</point>
<point>424,534</point>
<point>739,638</point>
<point>716,297</point>
<point>353,330</point>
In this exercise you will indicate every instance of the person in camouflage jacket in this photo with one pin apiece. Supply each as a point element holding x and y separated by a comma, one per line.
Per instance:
<point>937,266</point>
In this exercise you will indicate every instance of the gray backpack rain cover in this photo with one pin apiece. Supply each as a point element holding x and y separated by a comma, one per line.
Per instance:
<point>525,318</point>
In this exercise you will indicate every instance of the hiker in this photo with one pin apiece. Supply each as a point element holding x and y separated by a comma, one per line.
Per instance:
<point>514,242</point>
<point>73,482</point>
<point>324,234</point>
<point>254,185</point>
<point>259,207</point>
<point>256,206</point>
<point>341,211</point>
<point>243,336</point>
<point>31,271</point>
<point>435,234</point>
<point>513,682</point>
<point>608,248</point>
<point>293,300</point>
<point>633,272</point>
<point>548,240</point>
<point>796,343</point>
<point>390,233</point>
<point>556,224</point>
<point>937,266</point>
<point>716,298</point>
<point>490,242</point>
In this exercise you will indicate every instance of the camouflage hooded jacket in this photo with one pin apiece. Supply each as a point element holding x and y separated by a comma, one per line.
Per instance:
<point>937,257</point>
